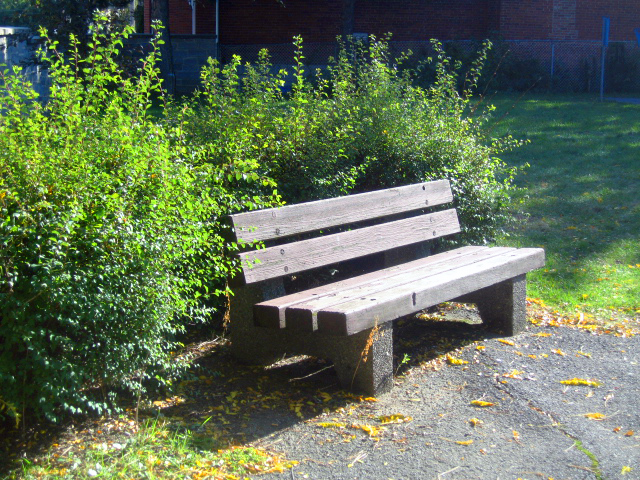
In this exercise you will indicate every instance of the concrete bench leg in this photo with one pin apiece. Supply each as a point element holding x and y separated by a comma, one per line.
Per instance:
<point>249,344</point>
<point>369,372</point>
<point>257,345</point>
<point>502,306</point>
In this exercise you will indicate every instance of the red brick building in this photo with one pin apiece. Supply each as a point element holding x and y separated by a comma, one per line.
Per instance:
<point>243,22</point>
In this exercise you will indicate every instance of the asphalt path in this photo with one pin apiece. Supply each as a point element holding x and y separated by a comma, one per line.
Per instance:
<point>537,427</point>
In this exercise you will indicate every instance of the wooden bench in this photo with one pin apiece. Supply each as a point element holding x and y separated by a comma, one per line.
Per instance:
<point>350,321</point>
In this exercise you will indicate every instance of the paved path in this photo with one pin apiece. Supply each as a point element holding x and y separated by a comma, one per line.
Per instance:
<point>536,428</point>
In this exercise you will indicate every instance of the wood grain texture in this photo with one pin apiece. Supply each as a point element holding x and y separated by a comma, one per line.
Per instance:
<point>303,316</point>
<point>355,315</point>
<point>271,313</point>
<point>307,254</point>
<point>290,220</point>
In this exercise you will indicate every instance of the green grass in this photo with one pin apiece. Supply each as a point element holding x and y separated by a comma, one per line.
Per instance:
<point>155,451</point>
<point>582,192</point>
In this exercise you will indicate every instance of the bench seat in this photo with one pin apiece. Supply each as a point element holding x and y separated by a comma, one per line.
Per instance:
<point>360,303</point>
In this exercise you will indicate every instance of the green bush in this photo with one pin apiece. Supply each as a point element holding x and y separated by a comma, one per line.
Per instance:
<point>110,240</point>
<point>361,125</point>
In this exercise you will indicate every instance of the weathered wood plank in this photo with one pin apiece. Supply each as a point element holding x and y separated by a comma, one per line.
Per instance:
<point>356,315</point>
<point>303,316</point>
<point>316,252</point>
<point>290,220</point>
<point>271,313</point>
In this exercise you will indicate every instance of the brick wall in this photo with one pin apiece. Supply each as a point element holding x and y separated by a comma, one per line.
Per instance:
<point>563,20</point>
<point>180,15</point>
<point>426,19</point>
<point>624,15</point>
<point>269,22</point>
<point>266,21</point>
<point>526,19</point>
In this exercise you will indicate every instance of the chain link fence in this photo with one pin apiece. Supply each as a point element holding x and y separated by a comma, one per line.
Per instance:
<point>571,66</point>
<point>512,65</point>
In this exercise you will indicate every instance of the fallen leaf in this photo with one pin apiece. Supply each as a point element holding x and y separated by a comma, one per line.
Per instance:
<point>475,421</point>
<point>617,429</point>
<point>506,342</point>
<point>558,352</point>
<point>542,334</point>
<point>395,418</point>
<point>584,354</point>
<point>595,416</point>
<point>370,429</point>
<point>516,435</point>
<point>581,382</point>
<point>482,403</point>
<point>514,374</point>
<point>464,442</point>
<point>325,397</point>
<point>480,347</point>
<point>629,433</point>
<point>455,361</point>
<point>331,425</point>
<point>625,470</point>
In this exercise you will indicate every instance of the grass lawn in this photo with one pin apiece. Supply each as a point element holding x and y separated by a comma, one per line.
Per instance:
<point>582,191</point>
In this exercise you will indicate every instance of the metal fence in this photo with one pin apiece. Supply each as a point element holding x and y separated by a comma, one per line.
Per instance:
<point>557,66</point>
<point>543,65</point>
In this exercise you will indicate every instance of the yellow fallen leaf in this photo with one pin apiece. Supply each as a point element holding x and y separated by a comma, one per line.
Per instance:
<point>516,435</point>
<point>370,429</point>
<point>455,361</point>
<point>464,442</point>
<point>542,334</point>
<point>584,354</point>
<point>370,399</point>
<point>482,403</point>
<point>625,470</point>
<point>331,425</point>
<point>629,433</point>
<point>395,418</point>
<point>617,429</point>
<point>514,374</point>
<point>475,421</point>
<point>480,347</point>
<point>325,397</point>
<point>595,416</point>
<point>506,342</point>
<point>581,382</point>
<point>558,352</point>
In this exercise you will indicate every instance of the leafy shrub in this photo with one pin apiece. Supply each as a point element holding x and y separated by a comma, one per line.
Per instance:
<point>363,124</point>
<point>503,71</point>
<point>110,240</point>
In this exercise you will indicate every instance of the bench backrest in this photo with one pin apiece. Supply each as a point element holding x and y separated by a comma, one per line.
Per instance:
<point>301,255</point>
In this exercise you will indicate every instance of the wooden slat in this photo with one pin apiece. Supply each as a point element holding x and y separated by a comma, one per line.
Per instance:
<point>271,313</point>
<point>303,316</point>
<point>290,220</point>
<point>316,252</point>
<point>356,315</point>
